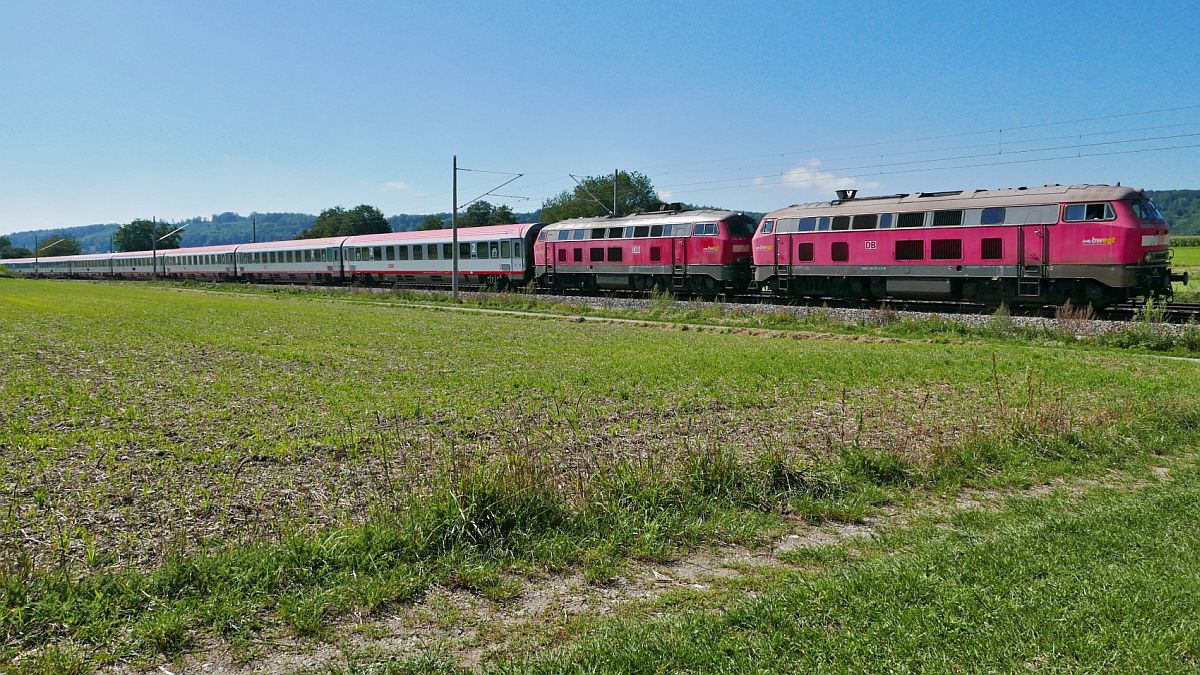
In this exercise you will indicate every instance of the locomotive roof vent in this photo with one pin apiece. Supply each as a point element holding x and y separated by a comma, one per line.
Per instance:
<point>846,195</point>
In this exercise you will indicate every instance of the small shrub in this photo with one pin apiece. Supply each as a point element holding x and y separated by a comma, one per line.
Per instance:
<point>1001,322</point>
<point>1072,321</point>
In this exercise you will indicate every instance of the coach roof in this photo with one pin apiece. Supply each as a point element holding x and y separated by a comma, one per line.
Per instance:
<point>965,199</point>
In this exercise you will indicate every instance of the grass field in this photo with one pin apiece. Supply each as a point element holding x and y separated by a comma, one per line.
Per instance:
<point>182,471</point>
<point>1187,259</point>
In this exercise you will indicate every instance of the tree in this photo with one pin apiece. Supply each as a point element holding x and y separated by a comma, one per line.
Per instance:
<point>502,215</point>
<point>140,235</point>
<point>432,223</point>
<point>7,250</point>
<point>483,213</point>
<point>635,194</point>
<point>338,222</point>
<point>60,246</point>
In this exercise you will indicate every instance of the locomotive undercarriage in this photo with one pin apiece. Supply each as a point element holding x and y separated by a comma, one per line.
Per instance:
<point>985,291</point>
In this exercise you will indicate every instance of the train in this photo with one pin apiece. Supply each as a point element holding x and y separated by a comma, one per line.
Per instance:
<point>1095,245</point>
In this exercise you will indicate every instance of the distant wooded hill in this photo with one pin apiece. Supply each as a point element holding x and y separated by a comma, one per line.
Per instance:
<point>1181,207</point>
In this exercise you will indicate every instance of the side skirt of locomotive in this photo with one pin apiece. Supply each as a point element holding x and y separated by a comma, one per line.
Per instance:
<point>702,279</point>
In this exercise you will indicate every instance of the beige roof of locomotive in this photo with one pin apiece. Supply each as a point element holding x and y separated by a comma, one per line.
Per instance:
<point>964,199</point>
<point>653,218</point>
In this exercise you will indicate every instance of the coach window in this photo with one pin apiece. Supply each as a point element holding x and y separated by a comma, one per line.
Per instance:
<point>839,251</point>
<point>377,253</point>
<point>641,231</point>
<point>308,255</point>
<point>389,252</point>
<point>447,251</point>
<point>596,254</point>
<point>431,251</point>
<point>577,256</point>
<point>885,221</point>
<point>614,232</point>
<point>910,249</point>
<point>505,249</point>
<point>656,230</point>
<point>495,248</point>
<point>947,218</point>
<point>804,252</point>
<point>464,249</point>
<point>401,253</point>
<point>291,256</point>
<point>911,219</point>
<point>418,252</point>
<point>992,216</point>
<point>945,249</point>
<point>841,223</point>
<point>517,248</point>
<point>865,221</point>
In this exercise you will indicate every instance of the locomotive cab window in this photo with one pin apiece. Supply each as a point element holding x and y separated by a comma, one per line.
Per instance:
<point>576,235</point>
<point>1075,213</point>
<point>768,226</point>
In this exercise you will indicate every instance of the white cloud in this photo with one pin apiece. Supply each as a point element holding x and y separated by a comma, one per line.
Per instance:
<point>809,177</point>
<point>396,185</point>
<point>665,195</point>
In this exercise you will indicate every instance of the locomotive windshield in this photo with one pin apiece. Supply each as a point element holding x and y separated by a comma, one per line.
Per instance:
<point>1145,209</point>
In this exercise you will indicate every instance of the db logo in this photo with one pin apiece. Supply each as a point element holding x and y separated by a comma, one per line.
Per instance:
<point>869,245</point>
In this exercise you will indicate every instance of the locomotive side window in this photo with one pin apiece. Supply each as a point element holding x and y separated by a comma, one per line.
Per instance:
<point>684,230</point>
<point>1075,213</point>
<point>596,254</point>
<point>641,231</point>
<point>911,219</point>
<point>804,252</point>
<point>656,230</point>
<point>885,221</point>
<point>841,223</point>
<point>807,224</point>
<point>992,248</point>
<point>628,232</point>
<point>823,224</point>
<point>946,249</point>
<point>576,235</point>
<point>562,255</point>
<point>910,249</point>
<point>992,216</point>
<point>614,254</point>
<point>865,222</point>
<point>578,255</point>
<point>839,251</point>
<point>614,233</point>
<point>782,226</point>
<point>598,233</point>
<point>947,218</point>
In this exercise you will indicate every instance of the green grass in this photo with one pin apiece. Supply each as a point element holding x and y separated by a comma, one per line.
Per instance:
<point>182,465</point>
<point>1187,259</point>
<point>1103,582</point>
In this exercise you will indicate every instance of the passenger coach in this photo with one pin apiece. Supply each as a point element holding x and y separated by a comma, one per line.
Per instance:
<point>1094,244</point>
<point>702,251</point>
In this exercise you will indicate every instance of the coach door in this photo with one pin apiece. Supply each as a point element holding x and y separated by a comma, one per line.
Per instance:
<point>1033,244</point>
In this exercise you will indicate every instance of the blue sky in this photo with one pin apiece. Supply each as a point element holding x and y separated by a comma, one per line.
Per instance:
<point>112,111</point>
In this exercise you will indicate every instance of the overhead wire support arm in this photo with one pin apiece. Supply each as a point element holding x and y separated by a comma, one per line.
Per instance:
<point>589,192</point>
